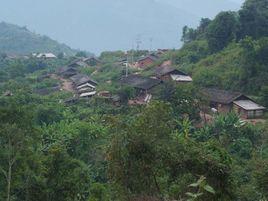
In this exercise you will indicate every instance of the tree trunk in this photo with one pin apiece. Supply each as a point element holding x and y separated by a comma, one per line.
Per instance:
<point>9,181</point>
<point>9,173</point>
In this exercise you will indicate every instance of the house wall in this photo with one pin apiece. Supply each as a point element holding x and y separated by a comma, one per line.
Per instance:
<point>222,108</point>
<point>145,63</point>
<point>165,77</point>
<point>240,111</point>
<point>247,114</point>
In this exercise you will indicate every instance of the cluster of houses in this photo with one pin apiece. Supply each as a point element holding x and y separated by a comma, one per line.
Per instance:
<point>220,101</point>
<point>82,84</point>
<point>73,68</point>
<point>145,60</point>
<point>144,85</point>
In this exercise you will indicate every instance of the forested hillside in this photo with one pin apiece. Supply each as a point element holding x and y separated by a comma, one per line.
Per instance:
<point>102,129</point>
<point>230,51</point>
<point>19,40</point>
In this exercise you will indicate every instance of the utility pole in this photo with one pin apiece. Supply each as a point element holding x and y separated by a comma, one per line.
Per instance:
<point>151,44</point>
<point>132,55</point>
<point>138,42</point>
<point>127,64</point>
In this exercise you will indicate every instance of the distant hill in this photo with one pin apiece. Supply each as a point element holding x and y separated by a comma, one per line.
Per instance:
<point>99,25</point>
<point>19,40</point>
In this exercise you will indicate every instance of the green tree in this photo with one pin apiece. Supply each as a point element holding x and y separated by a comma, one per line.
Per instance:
<point>17,139</point>
<point>188,34</point>
<point>147,156</point>
<point>264,95</point>
<point>254,19</point>
<point>221,31</point>
<point>68,179</point>
<point>81,54</point>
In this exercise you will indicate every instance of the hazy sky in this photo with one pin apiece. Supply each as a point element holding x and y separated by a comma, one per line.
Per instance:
<point>98,25</point>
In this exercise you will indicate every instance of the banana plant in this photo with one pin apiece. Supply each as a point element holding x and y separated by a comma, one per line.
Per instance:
<point>201,187</point>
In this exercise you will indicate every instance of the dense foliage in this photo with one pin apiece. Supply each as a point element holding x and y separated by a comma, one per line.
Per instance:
<point>96,150</point>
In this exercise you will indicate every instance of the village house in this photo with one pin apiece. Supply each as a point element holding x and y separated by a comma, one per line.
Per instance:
<point>146,61</point>
<point>78,63</point>
<point>122,62</point>
<point>92,61</point>
<point>67,72</point>
<point>45,56</point>
<point>168,73</point>
<point>143,86</point>
<point>227,101</point>
<point>160,52</point>
<point>84,85</point>
<point>109,98</point>
<point>8,93</point>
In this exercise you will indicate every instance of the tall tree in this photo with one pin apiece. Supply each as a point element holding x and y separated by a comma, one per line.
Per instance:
<point>221,31</point>
<point>16,140</point>
<point>254,18</point>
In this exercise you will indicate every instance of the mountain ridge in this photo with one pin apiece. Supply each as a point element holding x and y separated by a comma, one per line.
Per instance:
<point>19,40</point>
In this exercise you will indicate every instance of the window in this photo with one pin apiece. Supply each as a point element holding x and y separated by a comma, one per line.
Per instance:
<point>259,113</point>
<point>250,114</point>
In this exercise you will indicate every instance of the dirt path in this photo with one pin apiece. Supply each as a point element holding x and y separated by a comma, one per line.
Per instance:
<point>66,85</point>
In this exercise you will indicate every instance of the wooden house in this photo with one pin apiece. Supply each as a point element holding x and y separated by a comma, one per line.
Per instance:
<point>67,71</point>
<point>160,52</point>
<point>227,101</point>
<point>146,61</point>
<point>143,86</point>
<point>46,56</point>
<point>85,86</point>
<point>92,61</point>
<point>78,63</point>
<point>168,73</point>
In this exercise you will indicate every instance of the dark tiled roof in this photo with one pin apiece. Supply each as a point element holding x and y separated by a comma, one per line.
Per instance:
<point>66,69</point>
<point>222,96</point>
<point>160,71</point>
<point>47,91</point>
<point>77,62</point>
<point>80,79</point>
<point>140,82</point>
<point>152,57</point>
<point>91,58</point>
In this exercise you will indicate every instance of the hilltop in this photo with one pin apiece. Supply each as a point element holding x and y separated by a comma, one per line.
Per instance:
<point>19,40</point>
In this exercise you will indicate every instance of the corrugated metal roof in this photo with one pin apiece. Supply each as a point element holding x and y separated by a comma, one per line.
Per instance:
<point>88,94</point>
<point>46,55</point>
<point>248,105</point>
<point>181,78</point>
